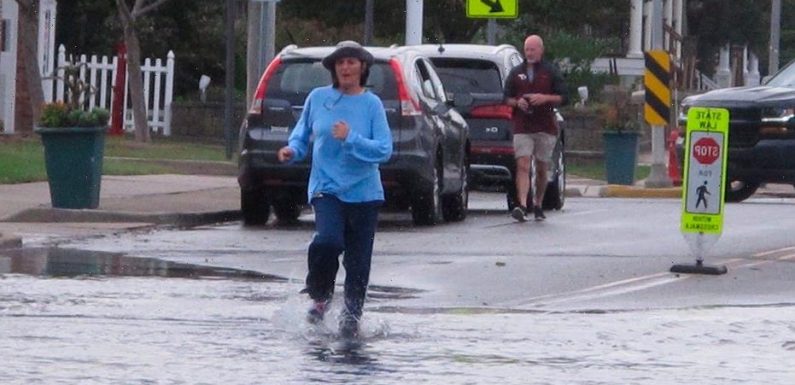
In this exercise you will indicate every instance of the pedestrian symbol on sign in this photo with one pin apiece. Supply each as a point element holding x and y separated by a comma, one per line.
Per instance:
<point>702,192</point>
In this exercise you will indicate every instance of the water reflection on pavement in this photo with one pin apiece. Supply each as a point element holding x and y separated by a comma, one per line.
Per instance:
<point>92,318</point>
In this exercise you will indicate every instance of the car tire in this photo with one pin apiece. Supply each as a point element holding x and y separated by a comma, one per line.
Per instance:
<point>286,208</point>
<point>426,205</point>
<point>254,207</point>
<point>454,207</point>
<point>739,190</point>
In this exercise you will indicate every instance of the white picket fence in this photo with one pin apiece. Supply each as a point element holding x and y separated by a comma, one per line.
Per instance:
<point>100,72</point>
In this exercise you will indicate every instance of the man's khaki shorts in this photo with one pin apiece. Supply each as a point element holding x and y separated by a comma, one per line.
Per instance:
<point>538,145</point>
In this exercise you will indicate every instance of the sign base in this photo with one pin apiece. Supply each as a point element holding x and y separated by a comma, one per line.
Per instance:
<point>699,268</point>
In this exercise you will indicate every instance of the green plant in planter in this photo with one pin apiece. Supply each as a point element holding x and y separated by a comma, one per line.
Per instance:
<point>617,114</point>
<point>58,114</point>
<point>620,132</point>
<point>75,111</point>
<point>74,138</point>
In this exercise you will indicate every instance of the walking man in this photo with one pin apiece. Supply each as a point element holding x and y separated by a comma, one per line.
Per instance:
<point>533,88</point>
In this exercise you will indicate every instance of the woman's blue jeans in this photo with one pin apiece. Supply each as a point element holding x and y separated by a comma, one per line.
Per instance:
<point>341,227</point>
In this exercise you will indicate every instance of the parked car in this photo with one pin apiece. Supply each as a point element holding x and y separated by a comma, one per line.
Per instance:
<point>761,147</point>
<point>475,74</point>
<point>429,168</point>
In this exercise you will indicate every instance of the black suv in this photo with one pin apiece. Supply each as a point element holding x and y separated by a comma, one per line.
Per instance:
<point>475,74</point>
<point>761,132</point>
<point>429,167</point>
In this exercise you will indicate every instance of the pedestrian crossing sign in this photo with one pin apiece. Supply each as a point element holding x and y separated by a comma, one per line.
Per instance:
<point>492,9</point>
<point>703,182</point>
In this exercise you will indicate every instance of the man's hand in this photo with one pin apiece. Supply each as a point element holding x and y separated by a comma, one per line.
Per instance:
<point>285,153</point>
<point>535,99</point>
<point>340,130</point>
<point>522,104</point>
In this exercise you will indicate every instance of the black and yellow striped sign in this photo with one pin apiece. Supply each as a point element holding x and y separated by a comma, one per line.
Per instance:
<point>657,108</point>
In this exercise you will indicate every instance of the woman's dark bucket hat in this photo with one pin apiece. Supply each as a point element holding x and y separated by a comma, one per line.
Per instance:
<point>348,48</point>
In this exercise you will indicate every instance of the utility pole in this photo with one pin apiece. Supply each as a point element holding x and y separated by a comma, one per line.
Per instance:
<point>260,42</point>
<point>413,22</point>
<point>268,37</point>
<point>775,36</point>
<point>491,31</point>
<point>658,176</point>
<point>253,54</point>
<point>229,69</point>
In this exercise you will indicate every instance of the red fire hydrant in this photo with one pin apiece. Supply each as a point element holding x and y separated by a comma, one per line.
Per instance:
<point>117,108</point>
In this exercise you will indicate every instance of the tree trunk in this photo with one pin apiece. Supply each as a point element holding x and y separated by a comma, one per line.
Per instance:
<point>135,79</point>
<point>28,49</point>
<point>142,133</point>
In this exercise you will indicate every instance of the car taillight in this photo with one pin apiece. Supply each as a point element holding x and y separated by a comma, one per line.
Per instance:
<point>408,106</point>
<point>497,111</point>
<point>259,94</point>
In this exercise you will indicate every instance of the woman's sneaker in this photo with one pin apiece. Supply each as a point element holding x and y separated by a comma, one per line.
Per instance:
<point>316,312</point>
<point>519,213</point>
<point>349,327</point>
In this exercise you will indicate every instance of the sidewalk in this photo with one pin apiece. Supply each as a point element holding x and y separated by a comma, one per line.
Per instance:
<point>126,202</point>
<point>135,202</point>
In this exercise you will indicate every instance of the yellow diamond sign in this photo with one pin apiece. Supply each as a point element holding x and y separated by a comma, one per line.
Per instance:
<point>505,9</point>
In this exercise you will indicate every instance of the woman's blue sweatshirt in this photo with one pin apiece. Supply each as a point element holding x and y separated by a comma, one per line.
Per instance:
<point>347,169</point>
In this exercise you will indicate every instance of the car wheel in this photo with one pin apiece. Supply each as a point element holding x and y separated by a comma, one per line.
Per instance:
<point>286,208</point>
<point>555,195</point>
<point>739,190</point>
<point>455,206</point>
<point>426,207</point>
<point>254,207</point>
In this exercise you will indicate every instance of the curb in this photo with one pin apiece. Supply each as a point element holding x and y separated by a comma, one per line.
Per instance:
<point>621,191</point>
<point>9,242</point>
<point>46,215</point>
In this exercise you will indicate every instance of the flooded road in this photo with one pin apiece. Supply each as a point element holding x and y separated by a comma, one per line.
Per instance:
<point>76,317</point>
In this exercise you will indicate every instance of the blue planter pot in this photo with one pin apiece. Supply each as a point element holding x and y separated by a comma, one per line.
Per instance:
<point>73,158</point>
<point>621,154</point>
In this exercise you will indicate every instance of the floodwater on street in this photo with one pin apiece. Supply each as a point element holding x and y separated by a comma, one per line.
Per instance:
<point>78,317</point>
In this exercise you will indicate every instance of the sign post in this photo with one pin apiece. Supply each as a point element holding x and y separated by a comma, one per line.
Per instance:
<point>703,185</point>
<point>657,111</point>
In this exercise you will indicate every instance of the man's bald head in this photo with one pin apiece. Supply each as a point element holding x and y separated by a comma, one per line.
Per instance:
<point>533,48</point>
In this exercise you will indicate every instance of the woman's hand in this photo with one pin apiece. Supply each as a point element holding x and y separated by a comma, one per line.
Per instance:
<point>340,130</point>
<point>285,153</point>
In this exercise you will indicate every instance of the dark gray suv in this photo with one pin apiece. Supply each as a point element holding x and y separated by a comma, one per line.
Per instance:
<point>429,168</point>
<point>761,147</point>
<point>475,74</point>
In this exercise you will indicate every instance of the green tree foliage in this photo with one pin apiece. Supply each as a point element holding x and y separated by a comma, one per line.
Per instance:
<point>192,29</point>
<point>580,30</point>
<point>714,23</point>
<point>787,43</point>
<point>443,21</point>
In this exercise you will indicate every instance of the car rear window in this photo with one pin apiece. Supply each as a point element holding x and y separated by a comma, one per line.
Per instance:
<point>468,75</point>
<point>294,79</point>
